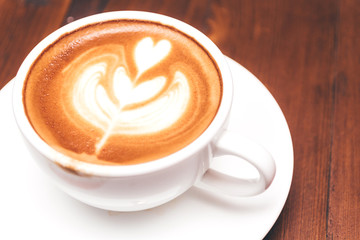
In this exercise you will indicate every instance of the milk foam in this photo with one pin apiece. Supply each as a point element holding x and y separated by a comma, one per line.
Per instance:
<point>147,54</point>
<point>159,102</point>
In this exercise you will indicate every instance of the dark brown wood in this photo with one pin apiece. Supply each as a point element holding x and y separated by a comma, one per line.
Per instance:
<point>344,185</point>
<point>23,25</point>
<point>307,53</point>
<point>83,8</point>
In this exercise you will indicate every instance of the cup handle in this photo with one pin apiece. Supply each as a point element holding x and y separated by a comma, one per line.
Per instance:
<point>230,143</point>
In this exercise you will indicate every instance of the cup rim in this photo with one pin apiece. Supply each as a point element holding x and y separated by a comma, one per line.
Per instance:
<point>93,169</point>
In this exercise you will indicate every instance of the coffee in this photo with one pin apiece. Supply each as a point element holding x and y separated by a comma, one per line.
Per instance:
<point>122,92</point>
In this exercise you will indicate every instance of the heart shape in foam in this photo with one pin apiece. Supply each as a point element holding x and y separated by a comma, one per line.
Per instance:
<point>147,54</point>
<point>127,93</point>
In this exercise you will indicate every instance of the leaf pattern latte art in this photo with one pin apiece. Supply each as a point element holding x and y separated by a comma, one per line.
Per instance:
<point>159,101</point>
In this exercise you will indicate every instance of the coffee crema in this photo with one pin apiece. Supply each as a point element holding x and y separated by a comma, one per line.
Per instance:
<point>122,92</point>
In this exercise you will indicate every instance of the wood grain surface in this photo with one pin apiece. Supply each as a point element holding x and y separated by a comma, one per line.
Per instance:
<point>306,52</point>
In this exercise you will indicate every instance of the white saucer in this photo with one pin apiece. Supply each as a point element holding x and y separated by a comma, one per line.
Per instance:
<point>31,207</point>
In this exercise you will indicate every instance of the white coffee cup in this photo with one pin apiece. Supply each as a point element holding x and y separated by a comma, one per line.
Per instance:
<point>146,185</point>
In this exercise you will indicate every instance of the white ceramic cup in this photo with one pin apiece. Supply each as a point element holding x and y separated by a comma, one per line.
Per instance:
<point>146,185</point>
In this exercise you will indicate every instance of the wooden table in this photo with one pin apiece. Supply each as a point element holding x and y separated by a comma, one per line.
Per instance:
<point>307,53</point>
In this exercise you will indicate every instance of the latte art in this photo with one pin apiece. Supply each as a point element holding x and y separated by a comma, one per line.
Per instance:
<point>122,92</point>
<point>137,108</point>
